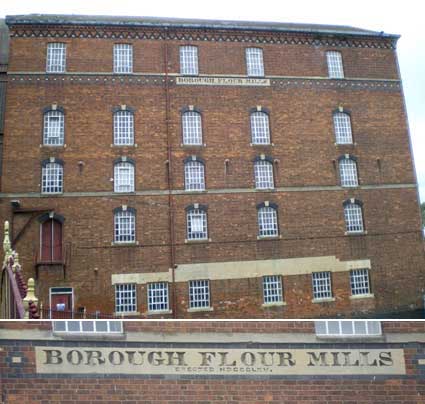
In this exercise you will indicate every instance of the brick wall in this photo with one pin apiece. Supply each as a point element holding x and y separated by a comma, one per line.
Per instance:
<point>311,223</point>
<point>21,383</point>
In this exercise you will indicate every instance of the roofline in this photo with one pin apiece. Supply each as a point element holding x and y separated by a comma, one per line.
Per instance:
<point>169,23</point>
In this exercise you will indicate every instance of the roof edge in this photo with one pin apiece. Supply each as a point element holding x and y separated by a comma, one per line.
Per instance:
<point>165,22</point>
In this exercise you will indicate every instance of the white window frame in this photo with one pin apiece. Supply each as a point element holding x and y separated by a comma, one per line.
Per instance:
<point>123,128</point>
<point>124,232</point>
<point>56,57</point>
<point>123,58</point>
<point>125,298</point>
<point>272,289</point>
<point>348,172</point>
<point>322,285</point>
<point>260,128</point>
<point>268,225</point>
<point>340,328</point>
<point>342,128</point>
<point>52,178</point>
<point>124,177</point>
<point>198,216</point>
<point>335,65</point>
<point>87,327</point>
<point>53,128</point>
<point>263,174</point>
<point>192,128</point>
<point>189,60</point>
<point>254,62</point>
<point>158,297</point>
<point>194,175</point>
<point>199,294</point>
<point>360,282</point>
<point>353,215</point>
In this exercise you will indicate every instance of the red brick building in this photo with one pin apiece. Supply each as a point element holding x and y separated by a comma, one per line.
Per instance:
<point>209,361</point>
<point>186,168</point>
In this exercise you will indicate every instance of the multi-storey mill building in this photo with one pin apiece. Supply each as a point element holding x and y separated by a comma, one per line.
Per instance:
<point>195,168</point>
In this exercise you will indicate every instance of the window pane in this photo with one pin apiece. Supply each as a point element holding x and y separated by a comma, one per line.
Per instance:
<point>54,128</point>
<point>267,222</point>
<point>56,56</point>
<point>333,327</point>
<point>263,172</point>
<point>322,285</point>
<point>158,296</point>
<point>125,227</point>
<point>123,128</point>
<point>194,172</point>
<point>87,326</point>
<point>347,327</point>
<point>115,326</point>
<point>123,58</point>
<point>52,178</point>
<point>272,289</point>
<point>74,326</point>
<point>124,177</point>
<point>101,326</point>
<point>360,327</point>
<point>359,280</point>
<point>199,294</point>
<point>59,325</point>
<point>348,172</point>
<point>196,224</point>
<point>192,128</point>
<point>254,62</point>
<point>342,127</point>
<point>125,298</point>
<point>353,218</point>
<point>189,60</point>
<point>260,130</point>
<point>335,67</point>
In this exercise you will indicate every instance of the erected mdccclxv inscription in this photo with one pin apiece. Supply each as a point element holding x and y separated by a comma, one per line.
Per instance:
<point>223,81</point>
<point>219,361</point>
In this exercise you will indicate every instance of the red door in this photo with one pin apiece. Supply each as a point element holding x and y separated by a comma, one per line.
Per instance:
<point>61,305</point>
<point>51,241</point>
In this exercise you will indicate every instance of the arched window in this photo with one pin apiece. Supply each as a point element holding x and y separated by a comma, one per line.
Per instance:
<point>342,127</point>
<point>124,175</point>
<point>267,220</point>
<point>263,173</point>
<point>53,127</point>
<point>124,225</point>
<point>353,215</point>
<point>335,67</point>
<point>192,128</point>
<point>52,176</point>
<point>51,237</point>
<point>194,174</point>
<point>348,171</point>
<point>123,126</point>
<point>196,220</point>
<point>260,128</point>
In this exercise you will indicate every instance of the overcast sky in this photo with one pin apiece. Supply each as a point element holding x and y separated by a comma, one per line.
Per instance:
<point>392,16</point>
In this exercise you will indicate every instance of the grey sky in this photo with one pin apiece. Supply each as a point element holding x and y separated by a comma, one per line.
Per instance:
<point>392,16</point>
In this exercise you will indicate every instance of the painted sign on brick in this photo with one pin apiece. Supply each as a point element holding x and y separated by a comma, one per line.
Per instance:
<point>192,361</point>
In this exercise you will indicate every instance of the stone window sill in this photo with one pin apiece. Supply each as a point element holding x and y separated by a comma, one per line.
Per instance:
<point>158,312</point>
<point>278,237</point>
<point>124,244</point>
<point>126,313</point>
<point>324,300</point>
<point>274,304</point>
<point>355,233</point>
<point>261,144</point>
<point>199,309</point>
<point>200,241</point>
<point>124,145</point>
<point>365,296</point>
<point>193,146</point>
<point>57,146</point>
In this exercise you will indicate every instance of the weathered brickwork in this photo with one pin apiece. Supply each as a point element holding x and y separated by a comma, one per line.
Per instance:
<point>300,101</point>
<point>21,382</point>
